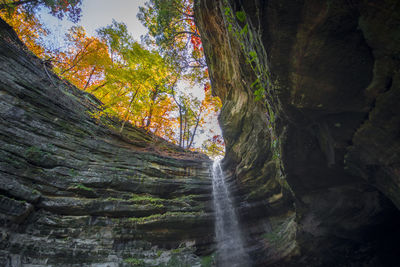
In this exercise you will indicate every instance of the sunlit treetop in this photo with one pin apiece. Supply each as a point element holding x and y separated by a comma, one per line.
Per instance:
<point>85,60</point>
<point>117,37</point>
<point>171,27</point>
<point>138,84</point>
<point>173,31</point>
<point>166,19</point>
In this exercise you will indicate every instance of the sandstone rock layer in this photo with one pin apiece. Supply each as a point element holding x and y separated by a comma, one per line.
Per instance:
<point>76,192</point>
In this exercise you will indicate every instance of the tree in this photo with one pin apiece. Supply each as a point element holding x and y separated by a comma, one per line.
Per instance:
<point>28,29</point>
<point>85,60</point>
<point>190,114</point>
<point>58,8</point>
<point>193,113</point>
<point>137,84</point>
<point>21,16</point>
<point>214,147</point>
<point>172,28</point>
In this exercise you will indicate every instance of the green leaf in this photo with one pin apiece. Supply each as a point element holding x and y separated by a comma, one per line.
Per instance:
<point>255,83</point>
<point>241,16</point>
<point>271,117</point>
<point>253,55</point>
<point>244,30</point>
<point>259,94</point>
<point>227,11</point>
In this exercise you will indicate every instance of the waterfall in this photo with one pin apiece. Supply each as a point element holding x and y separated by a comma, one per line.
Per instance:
<point>230,248</point>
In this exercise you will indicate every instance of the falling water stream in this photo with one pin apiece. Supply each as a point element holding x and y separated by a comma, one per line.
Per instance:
<point>230,248</point>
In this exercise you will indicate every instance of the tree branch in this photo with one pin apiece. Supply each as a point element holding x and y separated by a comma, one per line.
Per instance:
<point>195,128</point>
<point>18,3</point>
<point>75,61</point>
<point>184,32</point>
<point>128,110</point>
<point>98,87</point>
<point>90,77</point>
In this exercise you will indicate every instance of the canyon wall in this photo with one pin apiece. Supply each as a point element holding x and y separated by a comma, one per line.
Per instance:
<point>75,191</point>
<point>311,121</point>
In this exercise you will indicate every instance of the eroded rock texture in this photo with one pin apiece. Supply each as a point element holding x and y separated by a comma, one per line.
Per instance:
<point>315,163</point>
<point>76,192</point>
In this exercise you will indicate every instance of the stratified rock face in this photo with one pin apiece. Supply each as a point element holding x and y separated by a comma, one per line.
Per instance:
<point>315,161</point>
<point>76,193</point>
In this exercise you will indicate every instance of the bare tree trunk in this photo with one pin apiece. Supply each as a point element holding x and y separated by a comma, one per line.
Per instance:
<point>126,116</point>
<point>153,99</point>
<point>98,87</point>
<point>90,77</point>
<point>180,126</point>
<point>195,128</point>
<point>181,139</point>
<point>184,131</point>
<point>128,111</point>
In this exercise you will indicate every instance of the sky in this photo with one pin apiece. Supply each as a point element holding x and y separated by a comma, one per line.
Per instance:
<point>100,13</point>
<point>97,14</point>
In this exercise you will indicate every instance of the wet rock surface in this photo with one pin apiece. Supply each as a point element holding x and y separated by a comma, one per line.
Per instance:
<point>76,192</point>
<point>314,164</point>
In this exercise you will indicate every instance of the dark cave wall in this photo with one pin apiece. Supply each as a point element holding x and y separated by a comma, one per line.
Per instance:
<point>314,164</point>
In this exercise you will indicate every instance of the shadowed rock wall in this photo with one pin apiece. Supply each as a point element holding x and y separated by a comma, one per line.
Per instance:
<point>311,120</point>
<point>76,192</point>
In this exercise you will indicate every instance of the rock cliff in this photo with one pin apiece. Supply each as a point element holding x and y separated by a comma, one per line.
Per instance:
<point>74,191</point>
<point>311,121</point>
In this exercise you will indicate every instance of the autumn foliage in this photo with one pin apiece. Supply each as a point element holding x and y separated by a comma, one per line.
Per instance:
<point>28,29</point>
<point>58,8</point>
<point>137,84</point>
<point>84,62</point>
